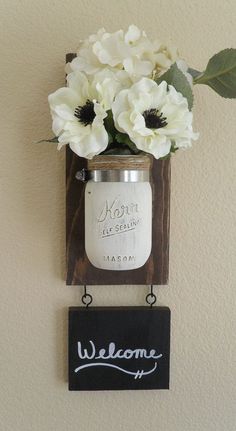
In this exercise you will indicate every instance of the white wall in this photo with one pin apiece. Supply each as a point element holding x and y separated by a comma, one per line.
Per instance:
<point>35,35</point>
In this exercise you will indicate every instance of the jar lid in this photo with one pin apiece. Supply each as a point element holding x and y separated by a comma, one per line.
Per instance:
<point>126,169</point>
<point>118,176</point>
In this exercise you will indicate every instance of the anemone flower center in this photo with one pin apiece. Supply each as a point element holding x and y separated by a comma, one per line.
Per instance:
<point>154,120</point>
<point>85,113</point>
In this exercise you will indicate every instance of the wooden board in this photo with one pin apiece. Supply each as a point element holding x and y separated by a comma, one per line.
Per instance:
<point>79,270</point>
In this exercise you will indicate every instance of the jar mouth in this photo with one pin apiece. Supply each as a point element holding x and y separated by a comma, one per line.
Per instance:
<point>119,175</point>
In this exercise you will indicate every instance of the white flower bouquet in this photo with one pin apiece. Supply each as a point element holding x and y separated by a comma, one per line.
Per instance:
<point>126,94</point>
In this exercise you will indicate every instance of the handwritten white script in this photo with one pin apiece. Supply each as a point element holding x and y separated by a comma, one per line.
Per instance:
<point>112,352</point>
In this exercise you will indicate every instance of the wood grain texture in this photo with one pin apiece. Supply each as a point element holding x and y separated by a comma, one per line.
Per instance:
<point>79,270</point>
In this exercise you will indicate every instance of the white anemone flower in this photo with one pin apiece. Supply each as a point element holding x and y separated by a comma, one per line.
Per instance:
<point>155,117</point>
<point>78,116</point>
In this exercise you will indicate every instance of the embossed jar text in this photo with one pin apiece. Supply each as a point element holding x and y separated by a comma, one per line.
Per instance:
<point>118,212</point>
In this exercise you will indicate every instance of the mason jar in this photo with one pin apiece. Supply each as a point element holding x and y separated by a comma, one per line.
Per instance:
<point>118,212</point>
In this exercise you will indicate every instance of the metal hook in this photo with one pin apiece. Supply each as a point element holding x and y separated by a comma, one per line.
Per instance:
<point>151,298</point>
<point>87,299</point>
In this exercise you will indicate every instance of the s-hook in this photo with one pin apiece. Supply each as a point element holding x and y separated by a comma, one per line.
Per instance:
<point>87,299</point>
<point>151,298</point>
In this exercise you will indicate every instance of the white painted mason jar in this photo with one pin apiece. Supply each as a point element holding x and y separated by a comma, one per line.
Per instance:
<point>118,212</point>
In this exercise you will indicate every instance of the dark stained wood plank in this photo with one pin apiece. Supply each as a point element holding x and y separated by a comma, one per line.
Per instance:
<point>79,270</point>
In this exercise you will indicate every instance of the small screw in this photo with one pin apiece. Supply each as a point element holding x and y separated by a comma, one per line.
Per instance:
<point>81,175</point>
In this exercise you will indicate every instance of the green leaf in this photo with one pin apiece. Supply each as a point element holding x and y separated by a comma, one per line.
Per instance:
<point>110,138</point>
<point>109,124</point>
<point>220,73</point>
<point>55,140</point>
<point>175,77</point>
<point>195,73</point>
<point>123,151</point>
<point>123,138</point>
<point>173,149</point>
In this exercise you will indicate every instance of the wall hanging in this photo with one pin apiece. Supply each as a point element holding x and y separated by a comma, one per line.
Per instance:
<point>126,109</point>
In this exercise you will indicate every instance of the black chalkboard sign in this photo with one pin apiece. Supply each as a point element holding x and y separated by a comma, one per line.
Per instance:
<point>119,348</point>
